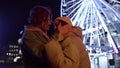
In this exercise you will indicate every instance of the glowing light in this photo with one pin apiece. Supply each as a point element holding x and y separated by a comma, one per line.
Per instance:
<point>96,17</point>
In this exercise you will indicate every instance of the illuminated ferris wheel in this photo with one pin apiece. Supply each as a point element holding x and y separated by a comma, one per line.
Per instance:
<point>99,21</point>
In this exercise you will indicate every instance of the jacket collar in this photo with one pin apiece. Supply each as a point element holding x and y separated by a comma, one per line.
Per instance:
<point>60,37</point>
<point>57,36</point>
<point>33,28</point>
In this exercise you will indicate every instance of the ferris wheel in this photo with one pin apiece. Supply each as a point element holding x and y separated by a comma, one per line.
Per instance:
<point>99,21</point>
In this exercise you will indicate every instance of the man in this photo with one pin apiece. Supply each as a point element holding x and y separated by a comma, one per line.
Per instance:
<point>34,38</point>
<point>66,49</point>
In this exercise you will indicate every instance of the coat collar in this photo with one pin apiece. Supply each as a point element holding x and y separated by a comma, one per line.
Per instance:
<point>33,28</point>
<point>58,36</point>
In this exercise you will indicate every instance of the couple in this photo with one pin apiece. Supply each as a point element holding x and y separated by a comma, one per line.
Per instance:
<point>64,49</point>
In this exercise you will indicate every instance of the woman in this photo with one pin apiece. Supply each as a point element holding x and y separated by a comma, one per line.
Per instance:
<point>34,38</point>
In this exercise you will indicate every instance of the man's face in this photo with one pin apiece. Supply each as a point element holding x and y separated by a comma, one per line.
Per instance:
<point>63,29</point>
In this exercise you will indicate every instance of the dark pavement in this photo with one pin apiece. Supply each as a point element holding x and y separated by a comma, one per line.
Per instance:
<point>11,66</point>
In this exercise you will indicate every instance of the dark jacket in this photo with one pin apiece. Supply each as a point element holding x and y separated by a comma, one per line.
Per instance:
<point>32,47</point>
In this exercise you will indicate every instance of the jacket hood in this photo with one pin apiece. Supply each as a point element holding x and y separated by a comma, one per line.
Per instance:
<point>78,32</point>
<point>65,19</point>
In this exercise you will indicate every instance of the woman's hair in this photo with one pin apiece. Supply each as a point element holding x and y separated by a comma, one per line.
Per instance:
<point>38,14</point>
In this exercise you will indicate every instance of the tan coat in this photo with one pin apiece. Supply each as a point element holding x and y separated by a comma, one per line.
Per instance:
<point>32,47</point>
<point>68,51</point>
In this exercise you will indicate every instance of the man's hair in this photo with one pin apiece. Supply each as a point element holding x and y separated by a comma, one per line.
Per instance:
<point>38,14</point>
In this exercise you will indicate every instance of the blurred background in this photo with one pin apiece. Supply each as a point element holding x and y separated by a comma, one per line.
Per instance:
<point>99,20</point>
<point>13,17</point>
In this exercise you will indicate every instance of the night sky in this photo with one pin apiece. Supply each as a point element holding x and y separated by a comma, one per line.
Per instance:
<point>13,16</point>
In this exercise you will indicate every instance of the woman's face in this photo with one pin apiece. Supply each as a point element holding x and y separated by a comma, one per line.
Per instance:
<point>56,25</point>
<point>46,24</point>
